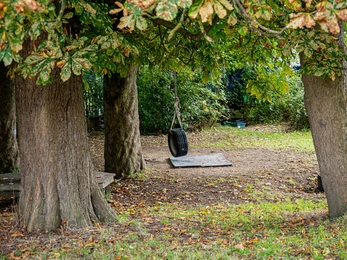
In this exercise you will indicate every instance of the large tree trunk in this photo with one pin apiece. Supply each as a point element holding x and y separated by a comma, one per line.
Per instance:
<point>8,141</point>
<point>326,104</point>
<point>123,152</point>
<point>58,182</point>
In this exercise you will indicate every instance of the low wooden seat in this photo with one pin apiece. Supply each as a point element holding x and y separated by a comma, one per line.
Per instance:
<point>10,183</point>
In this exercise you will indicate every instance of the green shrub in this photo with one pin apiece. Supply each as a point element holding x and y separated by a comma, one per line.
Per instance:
<point>199,106</point>
<point>288,107</point>
<point>156,100</point>
<point>93,98</point>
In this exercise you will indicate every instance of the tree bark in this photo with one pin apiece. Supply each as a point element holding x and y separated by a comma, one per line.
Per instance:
<point>58,184</point>
<point>326,104</point>
<point>8,142</point>
<point>123,151</point>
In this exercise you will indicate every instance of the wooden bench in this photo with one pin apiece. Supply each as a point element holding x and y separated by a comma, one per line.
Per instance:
<point>10,183</point>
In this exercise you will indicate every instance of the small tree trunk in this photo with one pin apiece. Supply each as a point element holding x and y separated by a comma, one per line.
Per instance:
<point>58,182</point>
<point>123,152</point>
<point>326,104</point>
<point>8,142</point>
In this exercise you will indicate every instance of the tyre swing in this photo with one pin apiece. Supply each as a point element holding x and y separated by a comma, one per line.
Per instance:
<point>177,138</point>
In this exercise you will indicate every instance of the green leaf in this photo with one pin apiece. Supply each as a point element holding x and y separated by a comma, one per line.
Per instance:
<point>32,59</point>
<point>35,30</point>
<point>65,72</point>
<point>141,23</point>
<point>92,47</point>
<point>45,75</point>
<point>76,67</point>
<point>2,54</point>
<point>308,53</point>
<point>242,30</point>
<point>109,52</point>
<point>273,6</point>
<point>79,9</point>
<point>314,45</point>
<point>194,9</point>
<point>105,45</point>
<point>7,57</point>
<point>69,15</point>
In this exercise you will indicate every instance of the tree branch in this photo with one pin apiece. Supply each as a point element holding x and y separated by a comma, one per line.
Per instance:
<point>184,32</point>
<point>179,25</point>
<point>264,30</point>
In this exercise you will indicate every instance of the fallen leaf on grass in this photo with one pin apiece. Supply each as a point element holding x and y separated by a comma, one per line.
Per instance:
<point>240,246</point>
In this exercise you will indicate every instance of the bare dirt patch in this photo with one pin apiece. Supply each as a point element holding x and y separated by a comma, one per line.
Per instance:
<point>256,174</point>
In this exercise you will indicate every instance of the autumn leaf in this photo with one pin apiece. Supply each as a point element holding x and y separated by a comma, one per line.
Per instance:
<point>115,11</point>
<point>145,4</point>
<point>185,3</point>
<point>31,4</point>
<point>141,23</point>
<point>293,4</point>
<point>85,63</point>
<point>342,15</point>
<point>308,3</point>
<point>60,64</point>
<point>331,25</point>
<point>127,22</point>
<point>232,20</point>
<point>301,20</point>
<point>227,4</point>
<point>87,7</point>
<point>206,11</point>
<point>220,11</point>
<point>166,10</point>
<point>321,14</point>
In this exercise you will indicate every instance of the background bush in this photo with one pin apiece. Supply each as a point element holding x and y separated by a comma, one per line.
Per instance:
<point>201,105</point>
<point>93,98</point>
<point>285,108</point>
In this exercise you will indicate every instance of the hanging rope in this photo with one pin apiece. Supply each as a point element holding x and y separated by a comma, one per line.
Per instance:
<point>176,106</point>
<point>177,138</point>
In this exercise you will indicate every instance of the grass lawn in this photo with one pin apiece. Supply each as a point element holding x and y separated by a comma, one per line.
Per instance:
<point>289,228</point>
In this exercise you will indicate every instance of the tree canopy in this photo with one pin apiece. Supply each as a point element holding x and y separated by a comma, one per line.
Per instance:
<point>104,35</point>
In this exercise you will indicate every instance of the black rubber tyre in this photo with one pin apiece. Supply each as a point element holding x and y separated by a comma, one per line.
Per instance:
<point>178,142</point>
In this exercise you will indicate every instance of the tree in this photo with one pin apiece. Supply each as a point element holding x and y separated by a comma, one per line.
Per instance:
<point>307,32</point>
<point>326,101</point>
<point>123,151</point>
<point>78,35</point>
<point>58,181</point>
<point>9,159</point>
